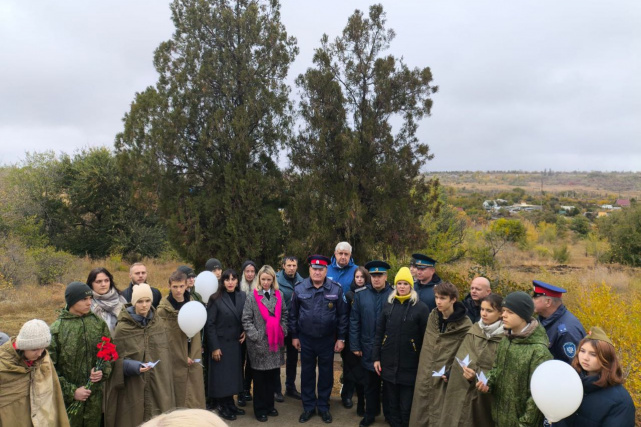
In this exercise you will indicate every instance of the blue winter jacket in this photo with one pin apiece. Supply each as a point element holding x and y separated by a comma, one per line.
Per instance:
<point>565,333</point>
<point>342,275</point>
<point>366,310</point>
<point>601,407</point>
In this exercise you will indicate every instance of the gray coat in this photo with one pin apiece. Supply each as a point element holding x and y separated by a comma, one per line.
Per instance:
<point>223,330</point>
<point>261,357</point>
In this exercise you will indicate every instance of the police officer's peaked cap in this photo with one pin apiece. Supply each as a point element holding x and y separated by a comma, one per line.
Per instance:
<point>545,289</point>
<point>318,261</point>
<point>377,267</point>
<point>422,261</point>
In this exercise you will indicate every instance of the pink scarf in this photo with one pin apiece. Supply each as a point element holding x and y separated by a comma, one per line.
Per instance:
<point>275,336</point>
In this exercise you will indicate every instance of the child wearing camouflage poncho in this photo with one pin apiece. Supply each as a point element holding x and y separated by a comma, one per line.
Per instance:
<point>520,353</point>
<point>74,337</point>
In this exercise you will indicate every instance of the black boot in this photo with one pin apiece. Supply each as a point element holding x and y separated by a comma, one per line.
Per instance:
<point>235,409</point>
<point>241,400</point>
<point>225,413</point>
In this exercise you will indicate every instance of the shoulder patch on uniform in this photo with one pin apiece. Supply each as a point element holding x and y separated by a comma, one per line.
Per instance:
<point>362,288</point>
<point>569,348</point>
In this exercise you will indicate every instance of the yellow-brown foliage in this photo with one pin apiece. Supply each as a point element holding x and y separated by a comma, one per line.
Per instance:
<point>619,314</point>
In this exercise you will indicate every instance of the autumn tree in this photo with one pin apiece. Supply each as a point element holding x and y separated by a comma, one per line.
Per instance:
<point>355,176</point>
<point>205,137</point>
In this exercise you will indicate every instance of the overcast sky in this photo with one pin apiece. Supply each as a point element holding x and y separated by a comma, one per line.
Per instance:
<point>528,84</point>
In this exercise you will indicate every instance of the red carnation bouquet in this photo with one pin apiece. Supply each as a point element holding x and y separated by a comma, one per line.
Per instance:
<point>106,353</point>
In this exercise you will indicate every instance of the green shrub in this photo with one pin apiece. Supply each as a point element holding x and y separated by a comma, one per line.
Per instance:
<point>50,265</point>
<point>561,254</point>
<point>483,256</point>
<point>16,266</point>
<point>547,232</point>
<point>542,252</point>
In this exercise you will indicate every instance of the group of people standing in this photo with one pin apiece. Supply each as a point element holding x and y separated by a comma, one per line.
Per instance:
<point>411,349</point>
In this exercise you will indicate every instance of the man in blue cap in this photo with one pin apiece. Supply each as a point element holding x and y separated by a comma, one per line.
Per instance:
<point>366,310</point>
<point>426,279</point>
<point>318,326</point>
<point>563,328</point>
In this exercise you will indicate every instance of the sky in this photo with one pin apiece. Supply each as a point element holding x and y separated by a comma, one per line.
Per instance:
<point>523,85</point>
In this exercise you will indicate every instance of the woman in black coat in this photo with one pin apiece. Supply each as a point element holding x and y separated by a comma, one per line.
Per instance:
<point>397,346</point>
<point>606,403</point>
<point>225,336</point>
<point>354,374</point>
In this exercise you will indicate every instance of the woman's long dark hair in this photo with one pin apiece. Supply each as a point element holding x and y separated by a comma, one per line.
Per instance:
<point>365,273</point>
<point>227,274</point>
<point>95,272</point>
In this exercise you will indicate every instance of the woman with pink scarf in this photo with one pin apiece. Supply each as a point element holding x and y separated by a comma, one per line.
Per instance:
<point>265,323</point>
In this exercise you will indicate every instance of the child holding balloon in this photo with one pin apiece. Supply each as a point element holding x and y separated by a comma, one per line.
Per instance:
<point>519,354</point>
<point>605,401</point>
<point>186,355</point>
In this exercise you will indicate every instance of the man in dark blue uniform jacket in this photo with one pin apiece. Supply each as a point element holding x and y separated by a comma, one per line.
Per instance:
<point>563,328</point>
<point>318,326</point>
<point>366,310</point>
<point>426,279</point>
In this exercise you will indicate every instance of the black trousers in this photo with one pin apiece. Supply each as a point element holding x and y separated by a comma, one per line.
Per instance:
<point>247,370</point>
<point>400,403</point>
<point>264,390</point>
<point>372,395</point>
<point>290,368</point>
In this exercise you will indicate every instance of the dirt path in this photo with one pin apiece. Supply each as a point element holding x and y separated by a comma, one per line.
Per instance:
<point>290,409</point>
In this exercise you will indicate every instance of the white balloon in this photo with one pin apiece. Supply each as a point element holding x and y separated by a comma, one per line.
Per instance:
<point>192,318</point>
<point>206,284</point>
<point>556,389</point>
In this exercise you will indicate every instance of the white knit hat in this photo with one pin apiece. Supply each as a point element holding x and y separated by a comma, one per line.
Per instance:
<point>141,291</point>
<point>33,335</point>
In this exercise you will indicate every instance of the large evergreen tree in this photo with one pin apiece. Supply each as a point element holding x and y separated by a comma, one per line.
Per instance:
<point>204,138</point>
<point>356,176</point>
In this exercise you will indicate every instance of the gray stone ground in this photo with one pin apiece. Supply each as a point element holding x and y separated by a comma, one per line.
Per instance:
<point>290,409</point>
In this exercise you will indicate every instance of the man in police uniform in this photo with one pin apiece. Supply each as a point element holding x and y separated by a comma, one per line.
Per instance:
<point>563,328</point>
<point>426,279</point>
<point>318,325</point>
<point>366,310</point>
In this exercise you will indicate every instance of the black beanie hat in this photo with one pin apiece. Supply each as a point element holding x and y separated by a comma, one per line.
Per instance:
<point>247,263</point>
<point>187,270</point>
<point>75,292</point>
<point>521,304</point>
<point>213,264</point>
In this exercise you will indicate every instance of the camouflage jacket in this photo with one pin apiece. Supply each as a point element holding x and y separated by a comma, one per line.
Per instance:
<point>73,351</point>
<point>509,380</point>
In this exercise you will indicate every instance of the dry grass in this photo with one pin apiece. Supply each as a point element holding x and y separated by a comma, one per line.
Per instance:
<point>26,302</point>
